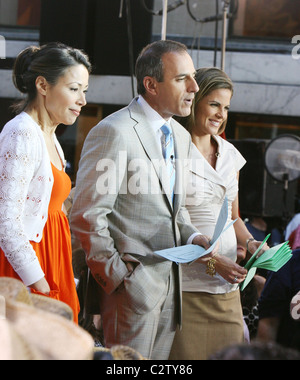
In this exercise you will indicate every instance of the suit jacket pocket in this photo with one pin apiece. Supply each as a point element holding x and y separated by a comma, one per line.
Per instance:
<point>143,290</point>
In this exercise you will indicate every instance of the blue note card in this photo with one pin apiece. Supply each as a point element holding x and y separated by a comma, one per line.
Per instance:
<point>190,252</point>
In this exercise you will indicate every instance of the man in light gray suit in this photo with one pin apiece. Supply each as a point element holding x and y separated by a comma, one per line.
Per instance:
<point>124,209</point>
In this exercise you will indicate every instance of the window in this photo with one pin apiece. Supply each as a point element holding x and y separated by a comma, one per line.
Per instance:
<point>20,19</point>
<point>266,127</point>
<point>266,19</point>
<point>20,13</point>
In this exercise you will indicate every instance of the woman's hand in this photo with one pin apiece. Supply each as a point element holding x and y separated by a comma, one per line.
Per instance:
<point>253,246</point>
<point>225,267</point>
<point>229,270</point>
<point>41,286</point>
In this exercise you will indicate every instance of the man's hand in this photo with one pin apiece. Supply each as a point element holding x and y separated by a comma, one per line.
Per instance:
<point>204,241</point>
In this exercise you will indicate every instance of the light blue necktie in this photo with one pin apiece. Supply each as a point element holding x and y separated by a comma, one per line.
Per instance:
<point>169,156</point>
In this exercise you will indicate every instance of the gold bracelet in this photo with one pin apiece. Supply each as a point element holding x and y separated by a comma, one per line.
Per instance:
<point>211,267</point>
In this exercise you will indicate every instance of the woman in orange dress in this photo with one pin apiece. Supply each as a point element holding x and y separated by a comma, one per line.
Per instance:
<point>35,237</point>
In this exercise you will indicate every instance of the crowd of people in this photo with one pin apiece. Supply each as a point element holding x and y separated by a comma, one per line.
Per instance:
<point>145,183</point>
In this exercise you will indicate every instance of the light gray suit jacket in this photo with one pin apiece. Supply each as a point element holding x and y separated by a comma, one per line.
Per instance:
<point>122,212</point>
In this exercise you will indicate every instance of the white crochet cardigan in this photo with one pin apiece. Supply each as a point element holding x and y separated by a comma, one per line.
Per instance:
<point>26,182</point>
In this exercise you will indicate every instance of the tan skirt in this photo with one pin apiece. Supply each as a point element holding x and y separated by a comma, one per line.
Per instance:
<point>210,322</point>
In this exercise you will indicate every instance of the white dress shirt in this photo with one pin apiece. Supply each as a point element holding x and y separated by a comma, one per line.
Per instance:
<point>155,120</point>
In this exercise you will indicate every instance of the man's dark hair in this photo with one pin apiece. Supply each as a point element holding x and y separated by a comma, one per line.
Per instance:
<point>149,62</point>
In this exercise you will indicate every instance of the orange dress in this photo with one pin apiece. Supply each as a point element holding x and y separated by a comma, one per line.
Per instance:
<point>55,249</point>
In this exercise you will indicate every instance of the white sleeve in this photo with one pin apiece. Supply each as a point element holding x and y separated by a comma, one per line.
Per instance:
<point>18,156</point>
<point>239,160</point>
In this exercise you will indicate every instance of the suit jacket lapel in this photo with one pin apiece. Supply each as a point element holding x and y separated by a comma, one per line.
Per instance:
<point>149,143</point>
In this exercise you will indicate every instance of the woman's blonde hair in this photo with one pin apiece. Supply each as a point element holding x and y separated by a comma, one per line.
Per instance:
<point>208,80</point>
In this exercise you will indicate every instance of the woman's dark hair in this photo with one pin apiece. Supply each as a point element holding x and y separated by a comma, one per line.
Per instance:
<point>49,61</point>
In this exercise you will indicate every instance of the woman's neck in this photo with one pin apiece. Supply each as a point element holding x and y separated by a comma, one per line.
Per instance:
<point>203,143</point>
<point>208,147</point>
<point>43,119</point>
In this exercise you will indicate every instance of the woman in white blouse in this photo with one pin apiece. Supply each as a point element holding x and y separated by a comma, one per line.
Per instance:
<point>35,236</point>
<point>212,312</point>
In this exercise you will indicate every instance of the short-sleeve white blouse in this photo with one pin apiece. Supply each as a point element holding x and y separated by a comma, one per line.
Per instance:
<point>207,188</point>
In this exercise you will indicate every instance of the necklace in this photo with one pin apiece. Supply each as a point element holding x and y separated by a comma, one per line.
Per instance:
<point>212,158</point>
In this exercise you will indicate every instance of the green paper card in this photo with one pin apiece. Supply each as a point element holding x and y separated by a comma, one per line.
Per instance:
<point>273,260</point>
<point>253,257</point>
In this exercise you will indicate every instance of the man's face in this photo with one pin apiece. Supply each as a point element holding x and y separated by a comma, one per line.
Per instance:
<point>174,96</point>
